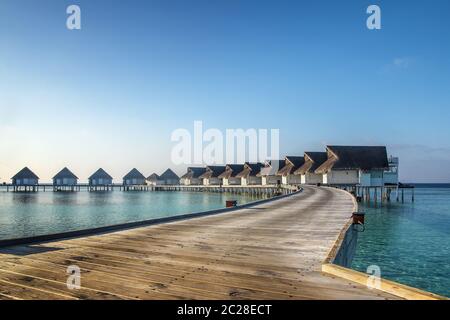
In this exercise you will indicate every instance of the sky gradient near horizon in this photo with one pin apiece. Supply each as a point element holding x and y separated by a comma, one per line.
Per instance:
<point>110,95</point>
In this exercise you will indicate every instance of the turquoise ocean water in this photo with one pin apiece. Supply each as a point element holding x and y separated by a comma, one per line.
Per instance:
<point>30,214</point>
<point>410,242</point>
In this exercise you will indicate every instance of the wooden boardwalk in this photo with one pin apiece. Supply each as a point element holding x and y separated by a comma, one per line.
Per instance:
<point>270,251</point>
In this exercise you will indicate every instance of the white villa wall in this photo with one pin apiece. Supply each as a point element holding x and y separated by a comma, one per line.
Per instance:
<point>311,178</point>
<point>212,182</point>
<point>191,182</point>
<point>231,181</point>
<point>291,179</point>
<point>264,181</point>
<point>341,177</point>
<point>373,178</point>
<point>270,180</point>
<point>254,181</point>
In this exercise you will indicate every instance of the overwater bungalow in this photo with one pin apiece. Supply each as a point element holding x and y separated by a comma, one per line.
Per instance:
<point>354,165</point>
<point>211,175</point>
<point>192,176</point>
<point>65,180</point>
<point>100,180</point>
<point>169,178</point>
<point>153,180</point>
<point>269,172</point>
<point>229,176</point>
<point>291,164</point>
<point>250,174</point>
<point>313,160</point>
<point>134,180</point>
<point>25,180</point>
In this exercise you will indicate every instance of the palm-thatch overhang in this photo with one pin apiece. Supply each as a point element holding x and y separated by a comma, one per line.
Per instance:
<point>231,171</point>
<point>292,163</point>
<point>271,168</point>
<point>269,172</point>
<point>193,173</point>
<point>313,160</point>
<point>354,165</point>
<point>364,158</point>
<point>211,175</point>
<point>192,176</point>
<point>229,176</point>
<point>251,173</point>
<point>213,172</point>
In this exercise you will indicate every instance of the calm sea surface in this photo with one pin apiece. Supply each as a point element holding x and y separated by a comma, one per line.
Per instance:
<point>29,214</point>
<point>410,242</point>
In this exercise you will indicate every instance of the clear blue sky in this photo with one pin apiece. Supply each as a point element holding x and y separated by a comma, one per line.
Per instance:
<point>110,94</point>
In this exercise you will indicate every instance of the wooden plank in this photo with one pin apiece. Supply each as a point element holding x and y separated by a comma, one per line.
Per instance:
<point>271,251</point>
<point>394,288</point>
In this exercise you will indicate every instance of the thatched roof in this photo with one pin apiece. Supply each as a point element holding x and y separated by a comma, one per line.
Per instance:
<point>354,157</point>
<point>65,174</point>
<point>313,160</point>
<point>292,164</point>
<point>134,174</point>
<point>251,169</point>
<point>271,168</point>
<point>231,171</point>
<point>25,173</point>
<point>213,172</point>
<point>169,175</point>
<point>153,177</point>
<point>100,174</point>
<point>194,173</point>
<point>296,161</point>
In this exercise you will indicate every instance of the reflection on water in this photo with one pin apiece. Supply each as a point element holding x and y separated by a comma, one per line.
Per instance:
<point>24,197</point>
<point>65,198</point>
<point>28,214</point>
<point>410,242</point>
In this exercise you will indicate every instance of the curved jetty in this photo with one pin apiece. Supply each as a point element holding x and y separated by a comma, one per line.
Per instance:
<point>273,250</point>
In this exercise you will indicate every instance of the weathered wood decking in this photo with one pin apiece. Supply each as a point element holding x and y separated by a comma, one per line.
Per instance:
<point>270,251</point>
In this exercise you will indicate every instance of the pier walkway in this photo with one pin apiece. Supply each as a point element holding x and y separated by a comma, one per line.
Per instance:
<point>270,251</point>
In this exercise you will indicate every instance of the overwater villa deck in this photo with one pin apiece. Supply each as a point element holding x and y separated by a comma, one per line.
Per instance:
<point>273,250</point>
